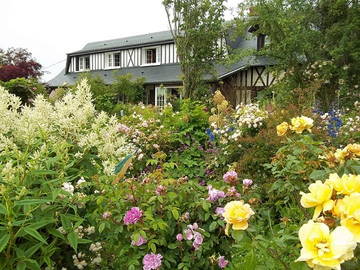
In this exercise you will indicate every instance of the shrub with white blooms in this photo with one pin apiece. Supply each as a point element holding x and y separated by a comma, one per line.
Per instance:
<point>46,128</point>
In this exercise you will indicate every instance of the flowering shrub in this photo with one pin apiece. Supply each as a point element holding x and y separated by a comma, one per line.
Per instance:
<point>49,155</point>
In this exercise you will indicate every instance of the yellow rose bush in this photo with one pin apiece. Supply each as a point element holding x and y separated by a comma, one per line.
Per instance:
<point>298,125</point>
<point>338,199</point>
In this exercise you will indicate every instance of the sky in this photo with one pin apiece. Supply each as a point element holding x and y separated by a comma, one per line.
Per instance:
<point>51,28</point>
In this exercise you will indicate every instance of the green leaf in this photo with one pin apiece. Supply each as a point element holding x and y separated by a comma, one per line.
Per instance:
<point>66,222</point>
<point>152,247</point>
<point>102,227</point>
<point>2,209</point>
<point>32,264</point>
<point>42,223</point>
<point>29,252</point>
<point>213,226</point>
<point>73,240</point>
<point>34,233</point>
<point>43,172</point>
<point>3,241</point>
<point>31,202</point>
<point>175,213</point>
<point>21,266</point>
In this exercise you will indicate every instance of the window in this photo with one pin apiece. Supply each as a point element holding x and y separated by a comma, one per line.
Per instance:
<point>117,57</point>
<point>260,41</point>
<point>113,59</point>
<point>165,95</point>
<point>151,56</point>
<point>83,63</point>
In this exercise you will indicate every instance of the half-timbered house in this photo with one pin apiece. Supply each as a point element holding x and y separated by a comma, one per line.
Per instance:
<point>153,56</point>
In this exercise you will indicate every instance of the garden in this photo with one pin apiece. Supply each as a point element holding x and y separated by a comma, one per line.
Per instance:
<point>204,186</point>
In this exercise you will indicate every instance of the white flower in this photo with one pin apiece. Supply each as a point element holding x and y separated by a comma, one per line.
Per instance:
<point>80,181</point>
<point>68,187</point>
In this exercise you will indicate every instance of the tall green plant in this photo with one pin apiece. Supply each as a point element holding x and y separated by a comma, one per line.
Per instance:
<point>197,27</point>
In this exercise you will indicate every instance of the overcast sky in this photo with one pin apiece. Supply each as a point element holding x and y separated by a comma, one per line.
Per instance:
<point>52,28</point>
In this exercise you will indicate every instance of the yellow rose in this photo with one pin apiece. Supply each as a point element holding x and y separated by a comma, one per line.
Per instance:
<point>341,155</point>
<point>353,149</point>
<point>351,214</point>
<point>236,213</point>
<point>319,197</point>
<point>346,185</point>
<point>282,128</point>
<point>299,124</point>
<point>324,250</point>
<point>339,209</point>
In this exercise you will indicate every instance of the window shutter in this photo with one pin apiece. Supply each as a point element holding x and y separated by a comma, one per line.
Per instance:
<point>77,63</point>
<point>158,55</point>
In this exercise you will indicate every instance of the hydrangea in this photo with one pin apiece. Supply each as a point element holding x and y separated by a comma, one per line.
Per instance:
<point>152,261</point>
<point>132,216</point>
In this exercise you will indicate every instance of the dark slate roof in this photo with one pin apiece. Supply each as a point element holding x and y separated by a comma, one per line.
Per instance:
<point>170,73</point>
<point>133,41</point>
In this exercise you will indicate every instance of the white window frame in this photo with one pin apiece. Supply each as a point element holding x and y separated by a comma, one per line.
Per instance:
<point>158,56</point>
<point>82,63</point>
<point>167,88</point>
<point>111,55</point>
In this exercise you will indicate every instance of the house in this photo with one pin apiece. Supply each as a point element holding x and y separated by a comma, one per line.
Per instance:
<point>153,56</point>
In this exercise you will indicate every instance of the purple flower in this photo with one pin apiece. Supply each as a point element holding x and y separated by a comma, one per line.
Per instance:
<point>222,262</point>
<point>219,211</point>
<point>152,261</point>
<point>139,242</point>
<point>179,237</point>
<point>215,194</point>
<point>198,240</point>
<point>133,216</point>
<point>247,182</point>
<point>230,177</point>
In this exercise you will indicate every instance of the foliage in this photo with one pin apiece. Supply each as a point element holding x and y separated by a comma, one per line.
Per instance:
<point>312,41</point>
<point>25,89</point>
<point>196,27</point>
<point>18,63</point>
<point>107,97</point>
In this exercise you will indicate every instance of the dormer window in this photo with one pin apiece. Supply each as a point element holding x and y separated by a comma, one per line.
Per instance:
<point>83,63</point>
<point>260,41</point>
<point>151,56</point>
<point>113,59</point>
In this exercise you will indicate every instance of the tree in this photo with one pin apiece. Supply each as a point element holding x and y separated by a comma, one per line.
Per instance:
<point>197,27</point>
<point>18,63</point>
<point>316,43</point>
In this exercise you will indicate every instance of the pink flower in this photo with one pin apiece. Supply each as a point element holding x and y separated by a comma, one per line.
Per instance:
<point>152,261</point>
<point>106,215</point>
<point>232,192</point>
<point>160,190</point>
<point>247,182</point>
<point>133,216</point>
<point>215,194</point>
<point>123,128</point>
<point>179,237</point>
<point>189,234</point>
<point>230,177</point>
<point>139,242</point>
<point>198,240</point>
<point>219,211</point>
<point>222,262</point>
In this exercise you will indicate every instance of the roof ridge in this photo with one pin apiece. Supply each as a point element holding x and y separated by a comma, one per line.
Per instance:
<point>125,37</point>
